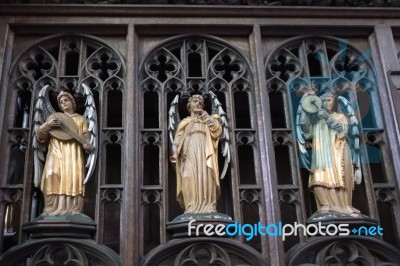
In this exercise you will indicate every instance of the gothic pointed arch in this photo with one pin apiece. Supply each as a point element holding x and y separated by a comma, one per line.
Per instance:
<point>198,64</point>
<point>323,62</point>
<point>64,62</point>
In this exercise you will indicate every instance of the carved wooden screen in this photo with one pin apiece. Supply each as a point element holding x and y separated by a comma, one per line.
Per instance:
<point>321,61</point>
<point>64,62</point>
<point>196,65</point>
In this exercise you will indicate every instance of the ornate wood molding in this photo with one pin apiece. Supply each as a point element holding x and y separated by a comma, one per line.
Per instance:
<point>194,11</point>
<point>350,3</point>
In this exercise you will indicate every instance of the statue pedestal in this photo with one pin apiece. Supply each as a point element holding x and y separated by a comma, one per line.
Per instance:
<point>353,219</point>
<point>179,227</point>
<point>355,223</point>
<point>62,226</point>
<point>60,240</point>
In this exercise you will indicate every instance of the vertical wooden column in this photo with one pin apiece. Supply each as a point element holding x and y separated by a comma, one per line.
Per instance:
<point>7,37</point>
<point>268,169</point>
<point>130,166</point>
<point>388,82</point>
<point>6,44</point>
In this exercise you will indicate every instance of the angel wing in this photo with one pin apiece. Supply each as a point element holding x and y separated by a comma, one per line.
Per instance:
<point>173,120</point>
<point>226,152</point>
<point>354,136</point>
<point>301,141</point>
<point>91,116</point>
<point>42,111</point>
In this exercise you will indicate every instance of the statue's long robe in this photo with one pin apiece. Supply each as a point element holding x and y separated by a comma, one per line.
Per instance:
<point>63,173</point>
<point>198,185</point>
<point>331,168</point>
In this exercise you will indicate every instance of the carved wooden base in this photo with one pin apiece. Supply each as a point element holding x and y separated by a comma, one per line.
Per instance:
<point>66,226</point>
<point>60,240</point>
<point>179,227</point>
<point>353,219</point>
<point>202,216</point>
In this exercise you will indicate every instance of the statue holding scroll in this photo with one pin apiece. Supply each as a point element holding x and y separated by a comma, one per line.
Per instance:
<point>328,122</point>
<point>70,143</point>
<point>195,154</point>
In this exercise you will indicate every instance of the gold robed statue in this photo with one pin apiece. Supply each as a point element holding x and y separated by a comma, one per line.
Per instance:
<point>195,155</point>
<point>69,145</point>
<point>335,163</point>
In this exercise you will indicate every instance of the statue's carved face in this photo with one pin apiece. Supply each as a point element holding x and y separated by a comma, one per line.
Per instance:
<point>328,103</point>
<point>66,105</point>
<point>195,104</point>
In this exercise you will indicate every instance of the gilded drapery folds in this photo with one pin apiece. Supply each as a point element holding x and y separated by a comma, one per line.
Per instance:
<point>63,173</point>
<point>67,137</point>
<point>332,174</point>
<point>196,156</point>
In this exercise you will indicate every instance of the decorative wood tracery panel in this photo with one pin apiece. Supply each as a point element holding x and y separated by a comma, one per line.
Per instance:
<point>65,62</point>
<point>197,64</point>
<point>326,62</point>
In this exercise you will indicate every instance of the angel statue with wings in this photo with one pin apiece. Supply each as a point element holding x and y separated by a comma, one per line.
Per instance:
<point>68,136</point>
<point>195,155</point>
<point>330,124</point>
